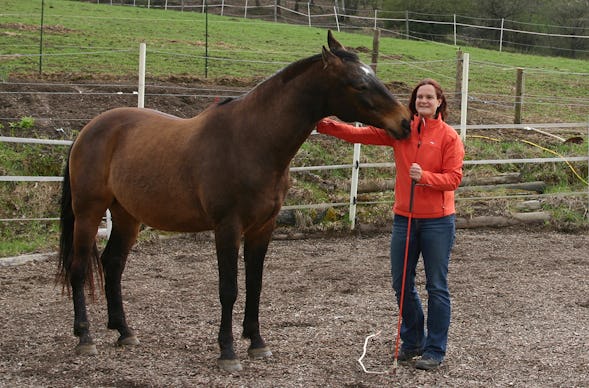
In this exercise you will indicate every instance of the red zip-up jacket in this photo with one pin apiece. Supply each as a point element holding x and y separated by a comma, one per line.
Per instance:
<point>433,144</point>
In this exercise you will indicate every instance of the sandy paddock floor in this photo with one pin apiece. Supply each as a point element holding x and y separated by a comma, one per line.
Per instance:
<point>520,317</point>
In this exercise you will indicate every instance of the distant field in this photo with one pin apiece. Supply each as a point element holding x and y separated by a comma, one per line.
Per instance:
<point>84,39</point>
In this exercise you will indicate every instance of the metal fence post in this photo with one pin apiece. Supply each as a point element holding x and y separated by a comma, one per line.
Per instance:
<point>354,184</point>
<point>464,96</point>
<point>141,85</point>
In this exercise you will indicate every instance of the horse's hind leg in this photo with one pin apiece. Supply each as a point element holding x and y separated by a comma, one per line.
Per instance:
<point>123,235</point>
<point>85,230</point>
<point>255,248</point>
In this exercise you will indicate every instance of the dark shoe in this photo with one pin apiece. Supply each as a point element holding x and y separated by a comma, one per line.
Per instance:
<point>427,363</point>
<point>408,355</point>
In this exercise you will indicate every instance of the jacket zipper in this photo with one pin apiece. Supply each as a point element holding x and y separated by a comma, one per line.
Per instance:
<point>421,122</point>
<point>419,127</point>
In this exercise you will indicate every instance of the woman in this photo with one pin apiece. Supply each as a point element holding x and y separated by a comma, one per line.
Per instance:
<point>432,157</point>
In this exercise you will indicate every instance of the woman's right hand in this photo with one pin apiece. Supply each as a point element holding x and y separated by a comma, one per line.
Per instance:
<point>324,123</point>
<point>415,172</point>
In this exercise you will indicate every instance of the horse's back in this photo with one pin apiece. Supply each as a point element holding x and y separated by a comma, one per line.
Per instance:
<point>141,159</point>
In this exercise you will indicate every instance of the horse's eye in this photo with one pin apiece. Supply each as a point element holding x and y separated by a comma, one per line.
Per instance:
<point>359,86</point>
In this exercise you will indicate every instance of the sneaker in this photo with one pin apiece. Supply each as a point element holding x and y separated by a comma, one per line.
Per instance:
<point>408,355</point>
<point>427,363</point>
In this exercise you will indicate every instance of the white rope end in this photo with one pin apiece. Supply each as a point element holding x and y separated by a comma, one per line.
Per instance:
<point>364,354</point>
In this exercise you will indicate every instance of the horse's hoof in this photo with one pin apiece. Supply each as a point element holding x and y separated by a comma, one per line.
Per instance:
<point>131,340</point>
<point>86,350</point>
<point>229,365</point>
<point>259,353</point>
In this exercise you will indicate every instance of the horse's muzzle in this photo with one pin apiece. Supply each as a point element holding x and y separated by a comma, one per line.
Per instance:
<point>403,131</point>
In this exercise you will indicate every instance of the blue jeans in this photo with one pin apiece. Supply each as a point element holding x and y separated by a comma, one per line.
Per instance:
<point>433,239</point>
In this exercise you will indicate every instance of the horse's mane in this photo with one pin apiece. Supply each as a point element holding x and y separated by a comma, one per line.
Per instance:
<point>295,69</point>
<point>300,66</point>
<point>227,100</point>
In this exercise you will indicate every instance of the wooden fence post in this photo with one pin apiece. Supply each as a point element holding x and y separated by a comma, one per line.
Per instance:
<point>519,87</point>
<point>375,45</point>
<point>406,24</point>
<point>458,87</point>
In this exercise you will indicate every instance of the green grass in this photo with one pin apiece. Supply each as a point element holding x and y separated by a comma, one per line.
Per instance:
<point>38,236</point>
<point>86,38</point>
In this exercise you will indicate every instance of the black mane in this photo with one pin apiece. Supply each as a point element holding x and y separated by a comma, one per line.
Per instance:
<point>227,100</point>
<point>294,69</point>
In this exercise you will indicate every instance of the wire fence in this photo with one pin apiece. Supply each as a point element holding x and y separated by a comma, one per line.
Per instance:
<point>496,33</point>
<point>540,102</point>
<point>548,95</point>
<point>130,93</point>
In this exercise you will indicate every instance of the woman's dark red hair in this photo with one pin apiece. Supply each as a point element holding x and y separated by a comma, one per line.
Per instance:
<point>442,109</point>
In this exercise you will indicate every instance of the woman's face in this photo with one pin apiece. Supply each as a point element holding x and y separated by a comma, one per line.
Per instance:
<point>427,101</point>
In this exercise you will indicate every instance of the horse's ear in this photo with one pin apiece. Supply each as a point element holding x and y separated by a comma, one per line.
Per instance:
<point>332,43</point>
<point>328,57</point>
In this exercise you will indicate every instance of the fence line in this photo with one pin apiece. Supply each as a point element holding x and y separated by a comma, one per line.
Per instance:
<point>343,18</point>
<point>356,18</point>
<point>501,101</point>
<point>355,167</point>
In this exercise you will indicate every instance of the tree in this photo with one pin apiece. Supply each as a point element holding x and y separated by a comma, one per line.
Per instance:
<point>575,15</point>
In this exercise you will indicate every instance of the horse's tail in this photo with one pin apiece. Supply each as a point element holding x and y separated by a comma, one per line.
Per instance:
<point>66,240</point>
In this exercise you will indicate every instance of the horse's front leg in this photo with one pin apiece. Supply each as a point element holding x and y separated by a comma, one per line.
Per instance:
<point>227,241</point>
<point>255,248</point>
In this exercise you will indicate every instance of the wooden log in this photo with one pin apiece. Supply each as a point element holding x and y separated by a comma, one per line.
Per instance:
<point>509,177</point>
<point>375,185</point>
<point>499,221</point>
<point>528,205</point>
<point>537,186</point>
<point>531,217</point>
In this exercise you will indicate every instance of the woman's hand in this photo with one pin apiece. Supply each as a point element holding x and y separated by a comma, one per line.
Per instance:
<point>415,172</point>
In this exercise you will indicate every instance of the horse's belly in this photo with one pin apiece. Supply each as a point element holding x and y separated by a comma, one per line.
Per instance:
<point>164,210</point>
<point>174,220</point>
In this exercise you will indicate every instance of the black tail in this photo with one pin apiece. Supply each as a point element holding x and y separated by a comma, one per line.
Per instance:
<point>66,239</point>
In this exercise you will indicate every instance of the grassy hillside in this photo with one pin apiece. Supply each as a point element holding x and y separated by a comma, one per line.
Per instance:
<point>85,38</point>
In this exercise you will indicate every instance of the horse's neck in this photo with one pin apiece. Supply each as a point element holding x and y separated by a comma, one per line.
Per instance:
<point>284,119</point>
<point>290,111</point>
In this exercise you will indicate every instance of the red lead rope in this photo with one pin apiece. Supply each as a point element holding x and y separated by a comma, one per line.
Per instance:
<point>399,320</point>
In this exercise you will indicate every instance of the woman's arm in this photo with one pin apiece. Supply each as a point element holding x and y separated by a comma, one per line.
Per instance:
<point>451,175</point>
<point>350,133</point>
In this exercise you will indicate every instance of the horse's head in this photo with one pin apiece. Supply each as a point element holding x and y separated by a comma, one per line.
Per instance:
<point>356,94</point>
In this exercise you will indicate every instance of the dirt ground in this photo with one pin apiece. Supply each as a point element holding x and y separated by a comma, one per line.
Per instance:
<point>520,317</point>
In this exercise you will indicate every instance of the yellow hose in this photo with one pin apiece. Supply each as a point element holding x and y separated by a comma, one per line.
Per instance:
<point>542,148</point>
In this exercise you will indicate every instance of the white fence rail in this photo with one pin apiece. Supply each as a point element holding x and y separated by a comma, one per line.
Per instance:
<point>354,167</point>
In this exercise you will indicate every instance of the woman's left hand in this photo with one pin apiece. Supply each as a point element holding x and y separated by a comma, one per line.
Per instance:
<point>415,172</point>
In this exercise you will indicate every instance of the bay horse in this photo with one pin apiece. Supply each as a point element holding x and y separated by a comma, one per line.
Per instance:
<point>225,170</point>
